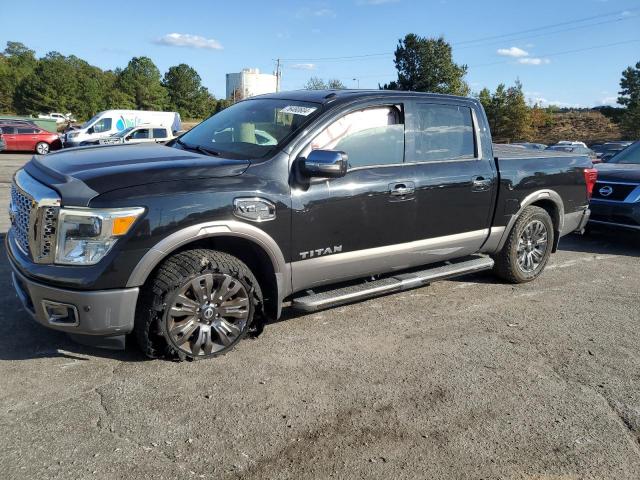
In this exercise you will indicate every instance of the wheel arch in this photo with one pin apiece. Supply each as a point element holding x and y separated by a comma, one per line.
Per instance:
<point>550,201</point>
<point>250,244</point>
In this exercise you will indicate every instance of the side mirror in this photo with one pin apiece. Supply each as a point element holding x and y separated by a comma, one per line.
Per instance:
<point>325,164</point>
<point>90,130</point>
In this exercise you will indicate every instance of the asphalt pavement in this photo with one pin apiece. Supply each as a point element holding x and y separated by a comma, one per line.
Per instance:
<point>469,378</point>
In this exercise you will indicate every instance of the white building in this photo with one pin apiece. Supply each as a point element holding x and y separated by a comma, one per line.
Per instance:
<point>250,82</point>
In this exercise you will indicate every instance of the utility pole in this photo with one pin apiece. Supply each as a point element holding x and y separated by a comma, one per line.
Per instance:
<point>278,75</point>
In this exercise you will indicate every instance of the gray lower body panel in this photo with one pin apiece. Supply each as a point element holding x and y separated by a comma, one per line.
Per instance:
<point>104,312</point>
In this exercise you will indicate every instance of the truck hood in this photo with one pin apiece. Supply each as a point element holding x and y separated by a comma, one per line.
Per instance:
<point>619,172</point>
<point>79,174</point>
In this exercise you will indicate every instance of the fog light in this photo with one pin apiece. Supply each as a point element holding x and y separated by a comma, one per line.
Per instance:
<point>60,313</point>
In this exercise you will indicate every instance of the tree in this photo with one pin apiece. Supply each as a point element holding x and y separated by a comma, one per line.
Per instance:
<point>630,98</point>
<point>507,112</point>
<point>16,63</point>
<point>518,115</point>
<point>317,83</point>
<point>186,93</point>
<point>51,86</point>
<point>141,80</point>
<point>426,65</point>
<point>335,84</point>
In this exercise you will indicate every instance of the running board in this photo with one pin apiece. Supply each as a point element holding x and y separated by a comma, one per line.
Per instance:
<point>394,283</point>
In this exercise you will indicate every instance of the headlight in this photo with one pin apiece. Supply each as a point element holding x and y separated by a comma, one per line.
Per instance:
<point>85,236</point>
<point>72,135</point>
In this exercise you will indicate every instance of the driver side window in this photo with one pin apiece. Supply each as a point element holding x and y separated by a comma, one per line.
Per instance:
<point>373,136</point>
<point>103,125</point>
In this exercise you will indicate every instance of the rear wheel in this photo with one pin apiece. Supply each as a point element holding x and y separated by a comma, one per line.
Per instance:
<point>528,247</point>
<point>200,304</point>
<point>42,148</point>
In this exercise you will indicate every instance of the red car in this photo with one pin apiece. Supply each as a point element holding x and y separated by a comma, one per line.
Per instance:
<point>29,138</point>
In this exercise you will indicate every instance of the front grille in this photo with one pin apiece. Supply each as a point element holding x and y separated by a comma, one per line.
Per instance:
<point>612,191</point>
<point>21,209</point>
<point>34,213</point>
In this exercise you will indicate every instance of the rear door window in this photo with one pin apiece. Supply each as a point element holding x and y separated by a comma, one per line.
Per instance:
<point>160,133</point>
<point>443,132</point>
<point>27,131</point>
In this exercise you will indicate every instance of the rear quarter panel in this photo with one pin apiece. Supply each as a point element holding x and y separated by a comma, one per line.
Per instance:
<point>523,172</point>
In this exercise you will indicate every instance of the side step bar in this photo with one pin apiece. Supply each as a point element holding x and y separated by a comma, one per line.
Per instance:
<point>394,283</point>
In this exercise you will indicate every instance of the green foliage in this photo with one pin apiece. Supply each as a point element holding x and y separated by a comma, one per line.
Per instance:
<point>316,83</point>
<point>426,65</point>
<point>141,80</point>
<point>70,85</point>
<point>186,93</point>
<point>16,63</point>
<point>507,112</point>
<point>630,98</point>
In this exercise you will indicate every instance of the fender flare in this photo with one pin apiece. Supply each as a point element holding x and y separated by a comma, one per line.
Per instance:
<point>230,228</point>
<point>545,194</point>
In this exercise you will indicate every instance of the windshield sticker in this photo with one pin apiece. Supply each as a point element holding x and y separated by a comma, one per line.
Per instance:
<point>298,110</point>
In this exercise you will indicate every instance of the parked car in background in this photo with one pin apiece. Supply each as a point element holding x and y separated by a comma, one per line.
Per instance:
<point>58,117</point>
<point>531,146</point>
<point>576,150</point>
<point>616,196</point>
<point>572,143</point>
<point>141,134</point>
<point>106,123</point>
<point>607,150</point>
<point>29,138</point>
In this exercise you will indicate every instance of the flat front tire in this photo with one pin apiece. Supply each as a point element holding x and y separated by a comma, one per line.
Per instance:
<point>199,304</point>
<point>528,247</point>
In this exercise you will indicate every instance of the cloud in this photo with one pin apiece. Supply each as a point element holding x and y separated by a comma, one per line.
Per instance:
<point>611,101</point>
<point>319,12</point>
<point>512,52</point>
<point>376,2</point>
<point>534,61</point>
<point>543,102</point>
<point>188,40</point>
<point>303,66</point>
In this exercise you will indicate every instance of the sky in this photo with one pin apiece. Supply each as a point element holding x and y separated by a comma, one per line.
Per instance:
<point>565,52</point>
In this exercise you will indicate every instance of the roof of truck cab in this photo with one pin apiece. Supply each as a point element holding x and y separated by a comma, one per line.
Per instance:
<point>330,96</point>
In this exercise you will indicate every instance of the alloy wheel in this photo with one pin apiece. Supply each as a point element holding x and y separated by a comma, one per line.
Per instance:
<point>42,148</point>
<point>532,246</point>
<point>208,314</point>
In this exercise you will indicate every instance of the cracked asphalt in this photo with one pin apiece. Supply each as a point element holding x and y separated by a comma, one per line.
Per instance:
<point>469,378</point>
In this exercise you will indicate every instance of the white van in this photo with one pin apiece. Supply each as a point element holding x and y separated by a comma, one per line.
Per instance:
<point>109,122</point>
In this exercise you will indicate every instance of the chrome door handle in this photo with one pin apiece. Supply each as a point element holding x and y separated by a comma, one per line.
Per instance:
<point>401,189</point>
<point>481,184</point>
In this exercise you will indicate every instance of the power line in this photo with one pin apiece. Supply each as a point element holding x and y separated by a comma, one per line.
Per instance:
<point>504,37</point>
<point>566,52</point>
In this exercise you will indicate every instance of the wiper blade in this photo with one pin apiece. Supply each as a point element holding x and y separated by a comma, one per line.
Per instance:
<point>198,148</point>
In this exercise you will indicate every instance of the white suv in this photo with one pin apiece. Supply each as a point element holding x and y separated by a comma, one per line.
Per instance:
<point>139,134</point>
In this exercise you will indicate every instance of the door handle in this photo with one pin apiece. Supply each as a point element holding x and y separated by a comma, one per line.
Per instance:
<point>481,184</point>
<point>401,189</point>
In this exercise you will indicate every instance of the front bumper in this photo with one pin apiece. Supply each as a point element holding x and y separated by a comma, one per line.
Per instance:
<point>615,214</point>
<point>96,313</point>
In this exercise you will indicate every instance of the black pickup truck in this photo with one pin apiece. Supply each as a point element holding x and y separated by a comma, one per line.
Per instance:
<point>306,199</point>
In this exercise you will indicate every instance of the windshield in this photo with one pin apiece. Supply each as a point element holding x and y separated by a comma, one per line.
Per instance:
<point>628,155</point>
<point>91,120</point>
<point>122,133</point>
<point>252,128</point>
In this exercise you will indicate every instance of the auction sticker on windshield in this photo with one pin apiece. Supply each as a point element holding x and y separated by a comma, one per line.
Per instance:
<point>298,110</point>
